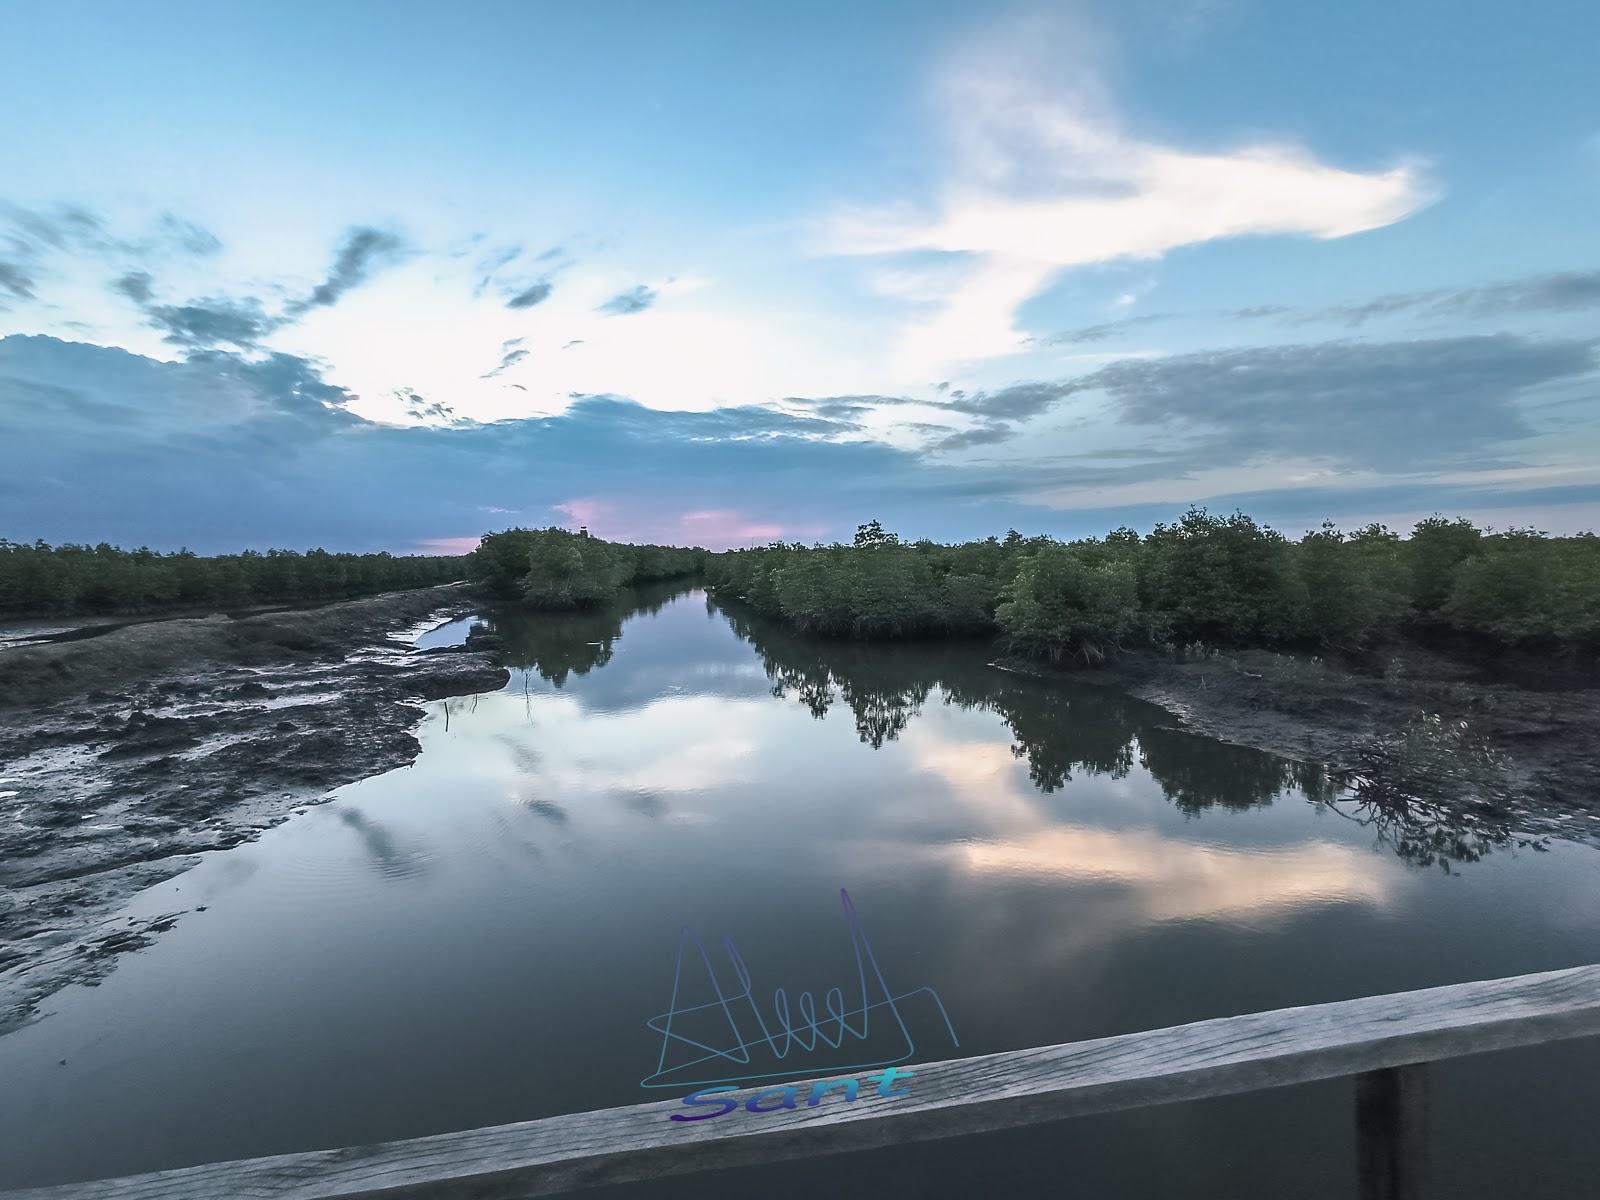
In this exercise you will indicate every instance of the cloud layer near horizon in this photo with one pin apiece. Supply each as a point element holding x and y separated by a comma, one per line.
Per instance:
<point>222,450</point>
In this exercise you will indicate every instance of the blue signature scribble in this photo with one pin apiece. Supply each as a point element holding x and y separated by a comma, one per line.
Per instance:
<point>727,1034</point>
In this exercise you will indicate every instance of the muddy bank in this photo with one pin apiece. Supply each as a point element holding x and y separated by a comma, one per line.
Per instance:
<point>124,755</point>
<point>1508,749</point>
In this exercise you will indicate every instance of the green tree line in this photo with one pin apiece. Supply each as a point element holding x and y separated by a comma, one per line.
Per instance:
<point>1207,578</point>
<point>41,579</point>
<point>555,569</point>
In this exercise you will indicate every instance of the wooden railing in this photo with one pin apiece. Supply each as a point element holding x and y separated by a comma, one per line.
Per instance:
<point>1385,1041</point>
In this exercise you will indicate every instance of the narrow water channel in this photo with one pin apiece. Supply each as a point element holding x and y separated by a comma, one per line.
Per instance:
<point>481,937</point>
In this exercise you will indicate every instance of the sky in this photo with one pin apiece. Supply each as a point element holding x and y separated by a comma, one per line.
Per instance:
<point>388,275</point>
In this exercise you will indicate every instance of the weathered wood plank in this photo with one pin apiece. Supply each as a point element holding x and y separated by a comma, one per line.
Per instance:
<point>960,1096</point>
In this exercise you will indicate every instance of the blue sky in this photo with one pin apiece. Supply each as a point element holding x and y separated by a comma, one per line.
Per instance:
<point>389,274</point>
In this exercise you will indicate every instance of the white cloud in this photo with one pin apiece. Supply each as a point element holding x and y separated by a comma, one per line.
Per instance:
<point>1043,176</point>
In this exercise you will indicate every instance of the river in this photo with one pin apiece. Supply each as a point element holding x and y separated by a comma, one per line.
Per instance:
<point>481,937</point>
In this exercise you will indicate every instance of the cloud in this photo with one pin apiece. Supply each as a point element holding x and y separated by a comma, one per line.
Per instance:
<point>1562,291</point>
<point>529,296</point>
<point>1044,176</point>
<point>428,412</point>
<point>244,323</point>
<point>136,286</point>
<point>981,435</point>
<point>1398,405</point>
<point>217,451</point>
<point>846,408</point>
<point>1406,405</point>
<point>16,280</point>
<point>67,227</point>
<point>185,235</point>
<point>1015,403</point>
<point>200,324</point>
<point>510,358</point>
<point>33,236</point>
<point>1101,332</point>
<point>634,300</point>
<point>362,251</point>
<point>74,395</point>
<point>495,259</point>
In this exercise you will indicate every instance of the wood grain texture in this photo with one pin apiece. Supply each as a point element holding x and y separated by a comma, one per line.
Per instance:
<point>960,1096</point>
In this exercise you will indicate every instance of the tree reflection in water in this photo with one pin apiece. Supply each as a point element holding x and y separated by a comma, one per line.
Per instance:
<point>558,645</point>
<point>1062,727</point>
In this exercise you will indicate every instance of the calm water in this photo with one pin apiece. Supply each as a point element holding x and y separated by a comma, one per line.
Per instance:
<point>480,938</point>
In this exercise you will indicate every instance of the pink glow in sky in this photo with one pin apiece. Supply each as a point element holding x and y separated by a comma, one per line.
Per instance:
<point>713,528</point>
<point>447,545</point>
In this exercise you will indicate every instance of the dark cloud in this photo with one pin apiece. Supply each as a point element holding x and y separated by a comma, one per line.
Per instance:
<point>67,227</point>
<point>744,423</point>
<point>218,321</point>
<point>244,323</point>
<point>135,285</point>
<point>510,358</point>
<point>1562,291</point>
<point>980,435</point>
<point>183,234</point>
<point>73,395</point>
<point>16,280</point>
<point>30,236</point>
<point>1016,403</point>
<point>634,300</point>
<point>1395,404</point>
<point>70,228</point>
<point>432,412</point>
<point>1389,404</point>
<point>362,251</point>
<point>846,408</point>
<point>200,324</point>
<point>219,452</point>
<point>1099,333</point>
<point>529,296</point>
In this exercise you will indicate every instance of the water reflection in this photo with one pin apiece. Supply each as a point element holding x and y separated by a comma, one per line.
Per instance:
<point>1181,880</point>
<point>389,857</point>
<point>478,938</point>
<point>1064,728</point>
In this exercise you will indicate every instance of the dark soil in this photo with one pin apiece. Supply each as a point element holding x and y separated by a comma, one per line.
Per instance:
<point>1514,743</point>
<point>124,755</point>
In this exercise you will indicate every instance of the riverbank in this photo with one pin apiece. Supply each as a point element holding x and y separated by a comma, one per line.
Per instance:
<point>1512,744</point>
<point>124,755</point>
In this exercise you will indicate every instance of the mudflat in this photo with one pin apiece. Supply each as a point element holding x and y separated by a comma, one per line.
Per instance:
<point>124,755</point>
